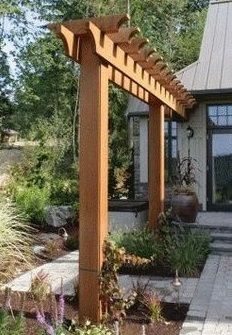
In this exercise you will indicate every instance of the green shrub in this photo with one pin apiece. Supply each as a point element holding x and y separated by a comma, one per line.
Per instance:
<point>89,329</point>
<point>139,242</point>
<point>15,241</point>
<point>32,200</point>
<point>10,326</point>
<point>187,251</point>
<point>72,243</point>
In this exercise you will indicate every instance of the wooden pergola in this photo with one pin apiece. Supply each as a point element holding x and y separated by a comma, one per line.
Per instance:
<point>109,51</point>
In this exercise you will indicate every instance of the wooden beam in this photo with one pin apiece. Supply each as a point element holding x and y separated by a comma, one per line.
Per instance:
<point>124,35</point>
<point>124,63</point>
<point>93,178</point>
<point>156,162</point>
<point>115,46</point>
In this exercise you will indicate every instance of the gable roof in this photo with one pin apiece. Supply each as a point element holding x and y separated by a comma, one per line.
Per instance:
<point>213,70</point>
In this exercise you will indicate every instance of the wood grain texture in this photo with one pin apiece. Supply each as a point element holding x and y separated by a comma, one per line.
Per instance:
<point>93,178</point>
<point>155,162</point>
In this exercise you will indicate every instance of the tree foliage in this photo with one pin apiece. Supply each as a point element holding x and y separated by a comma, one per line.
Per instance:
<point>47,83</point>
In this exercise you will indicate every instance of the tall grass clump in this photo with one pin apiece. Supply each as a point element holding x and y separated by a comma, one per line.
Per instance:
<point>15,241</point>
<point>188,252</point>
<point>139,242</point>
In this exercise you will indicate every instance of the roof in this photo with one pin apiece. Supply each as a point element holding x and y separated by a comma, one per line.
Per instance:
<point>213,70</point>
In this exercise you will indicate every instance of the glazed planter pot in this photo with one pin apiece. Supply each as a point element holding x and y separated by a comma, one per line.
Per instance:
<point>185,207</point>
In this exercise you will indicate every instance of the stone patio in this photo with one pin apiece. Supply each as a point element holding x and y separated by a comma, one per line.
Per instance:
<point>66,267</point>
<point>215,219</point>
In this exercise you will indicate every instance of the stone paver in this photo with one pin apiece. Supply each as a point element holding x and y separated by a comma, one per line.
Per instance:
<point>66,267</point>
<point>210,312</point>
<point>163,287</point>
<point>214,219</point>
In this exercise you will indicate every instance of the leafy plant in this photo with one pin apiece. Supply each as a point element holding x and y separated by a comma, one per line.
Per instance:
<point>141,289</point>
<point>72,243</point>
<point>187,252</point>
<point>10,325</point>
<point>140,242</point>
<point>185,177</point>
<point>15,241</point>
<point>90,329</point>
<point>32,200</point>
<point>152,302</point>
<point>113,302</point>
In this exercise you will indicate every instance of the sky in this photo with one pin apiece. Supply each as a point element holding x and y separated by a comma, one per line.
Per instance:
<point>33,24</point>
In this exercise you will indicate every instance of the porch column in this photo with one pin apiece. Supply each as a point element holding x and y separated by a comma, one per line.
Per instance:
<point>155,162</point>
<point>93,178</point>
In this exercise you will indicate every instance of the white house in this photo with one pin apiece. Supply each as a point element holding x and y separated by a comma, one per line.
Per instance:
<point>209,79</point>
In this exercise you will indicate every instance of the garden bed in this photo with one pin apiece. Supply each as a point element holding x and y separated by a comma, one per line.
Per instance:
<point>173,316</point>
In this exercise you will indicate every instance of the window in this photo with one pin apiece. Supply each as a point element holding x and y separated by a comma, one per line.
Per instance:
<point>219,115</point>
<point>170,150</point>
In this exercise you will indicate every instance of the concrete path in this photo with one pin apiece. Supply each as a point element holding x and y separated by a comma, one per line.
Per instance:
<point>214,219</point>
<point>66,267</point>
<point>210,311</point>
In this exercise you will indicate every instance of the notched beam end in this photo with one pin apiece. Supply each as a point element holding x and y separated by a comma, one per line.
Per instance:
<point>110,24</point>
<point>124,35</point>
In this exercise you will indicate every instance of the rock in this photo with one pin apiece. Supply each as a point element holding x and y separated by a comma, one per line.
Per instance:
<point>58,216</point>
<point>39,250</point>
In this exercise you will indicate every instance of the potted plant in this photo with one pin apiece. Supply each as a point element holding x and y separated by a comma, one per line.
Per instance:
<point>184,200</point>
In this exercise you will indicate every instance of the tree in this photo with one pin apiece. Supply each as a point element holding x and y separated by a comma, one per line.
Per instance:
<point>47,85</point>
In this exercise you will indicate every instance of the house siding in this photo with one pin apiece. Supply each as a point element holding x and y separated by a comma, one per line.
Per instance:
<point>198,149</point>
<point>140,137</point>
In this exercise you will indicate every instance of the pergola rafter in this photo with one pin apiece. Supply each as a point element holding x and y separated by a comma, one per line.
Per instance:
<point>139,66</point>
<point>109,52</point>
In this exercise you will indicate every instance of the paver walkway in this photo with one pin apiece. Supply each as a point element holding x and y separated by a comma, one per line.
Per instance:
<point>210,311</point>
<point>66,267</point>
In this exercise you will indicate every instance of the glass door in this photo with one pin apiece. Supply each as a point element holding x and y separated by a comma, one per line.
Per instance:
<point>220,170</point>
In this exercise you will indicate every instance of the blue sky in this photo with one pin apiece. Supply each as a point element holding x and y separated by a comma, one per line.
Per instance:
<point>33,24</point>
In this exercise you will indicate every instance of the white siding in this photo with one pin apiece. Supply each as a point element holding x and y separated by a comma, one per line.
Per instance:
<point>198,148</point>
<point>143,145</point>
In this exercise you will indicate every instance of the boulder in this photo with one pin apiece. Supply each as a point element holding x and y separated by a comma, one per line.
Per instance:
<point>59,216</point>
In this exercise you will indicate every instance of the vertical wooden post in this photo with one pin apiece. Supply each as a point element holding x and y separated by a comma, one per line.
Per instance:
<point>156,162</point>
<point>93,178</point>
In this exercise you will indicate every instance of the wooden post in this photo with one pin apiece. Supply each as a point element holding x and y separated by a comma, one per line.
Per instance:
<point>93,178</point>
<point>156,162</point>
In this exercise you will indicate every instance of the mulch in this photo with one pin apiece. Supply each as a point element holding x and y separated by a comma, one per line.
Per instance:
<point>136,317</point>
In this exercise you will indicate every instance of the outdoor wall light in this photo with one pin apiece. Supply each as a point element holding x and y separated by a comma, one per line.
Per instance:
<point>190,132</point>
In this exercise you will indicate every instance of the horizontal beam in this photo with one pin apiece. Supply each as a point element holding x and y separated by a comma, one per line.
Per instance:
<point>121,61</point>
<point>132,65</point>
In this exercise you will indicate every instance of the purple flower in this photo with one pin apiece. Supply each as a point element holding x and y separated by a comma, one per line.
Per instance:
<point>61,309</point>
<point>42,321</point>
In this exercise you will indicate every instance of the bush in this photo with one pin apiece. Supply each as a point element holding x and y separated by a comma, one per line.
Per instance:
<point>187,251</point>
<point>10,326</point>
<point>139,242</point>
<point>32,200</point>
<point>15,241</point>
<point>89,329</point>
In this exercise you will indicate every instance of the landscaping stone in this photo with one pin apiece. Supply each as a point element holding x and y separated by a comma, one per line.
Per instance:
<point>211,307</point>
<point>39,250</point>
<point>66,267</point>
<point>58,216</point>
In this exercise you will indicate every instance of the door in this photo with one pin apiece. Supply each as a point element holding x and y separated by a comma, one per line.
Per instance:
<point>219,179</point>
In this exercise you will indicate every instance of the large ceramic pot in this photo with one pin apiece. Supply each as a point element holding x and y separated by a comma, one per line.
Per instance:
<point>185,207</point>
